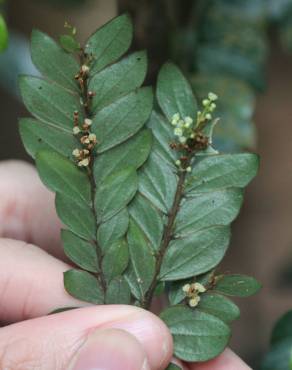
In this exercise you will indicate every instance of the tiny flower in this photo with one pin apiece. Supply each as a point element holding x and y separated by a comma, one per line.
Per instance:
<point>212,96</point>
<point>180,123</point>
<point>92,138</point>
<point>189,169</point>
<point>178,162</point>
<point>175,119</point>
<point>188,120</point>
<point>178,131</point>
<point>85,68</point>
<point>208,116</point>
<point>88,122</point>
<point>206,102</point>
<point>194,301</point>
<point>213,106</point>
<point>192,136</point>
<point>199,113</point>
<point>199,288</point>
<point>76,130</point>
<point>84,162</point>
<point>186,288</point>
<point>76,153</point>
<point>182,139</point>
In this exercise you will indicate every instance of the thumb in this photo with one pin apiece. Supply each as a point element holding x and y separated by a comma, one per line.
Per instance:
<point>93,338</point>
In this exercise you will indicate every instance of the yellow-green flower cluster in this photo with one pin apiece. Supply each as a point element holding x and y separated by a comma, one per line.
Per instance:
<point>209,107</point>
<point>192,292</point>
<point>183,127</point>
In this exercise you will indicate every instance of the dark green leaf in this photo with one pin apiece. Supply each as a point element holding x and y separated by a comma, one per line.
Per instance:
<point>81,252</point>
<point>118,79</point>
<point>84,286</point>
<point>61,175</point>
<point>205,210</point>
<point>113,229</point>
<point>283,328</point>
<point>279,358</point>
<point>132,153</point>
<point>118,291</point>
<point>237,285</point>
<point>197,335</point>
<point>37,135</point>
<point>148,219</point>
<point>223,171</point>
<point>115,260</point>
<point>3,34</point>
<point>52,61</point>
<point>141,270</point>
<point>174,93</point>
<point>49,102</point>
<point>158,183</point>
<point>195,254</point>
<point>219,306</point>
<point>69,43</point>
<point>173,367</point>
<point>77,216</point>
<point>122,119</point>
<point>115,192</point>
<point>110,42</point>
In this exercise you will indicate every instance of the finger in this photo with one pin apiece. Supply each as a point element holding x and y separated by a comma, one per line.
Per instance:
<point>31,282</point>
<point>27,210</point>
<point>228,360</point>
<point>69,339</point>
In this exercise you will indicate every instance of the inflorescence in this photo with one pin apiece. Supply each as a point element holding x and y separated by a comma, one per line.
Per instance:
<point>86,138</point>
<point>192,292</point>
<point>189,131</point>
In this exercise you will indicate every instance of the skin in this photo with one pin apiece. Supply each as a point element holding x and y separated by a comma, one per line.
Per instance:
<point>31,285</point>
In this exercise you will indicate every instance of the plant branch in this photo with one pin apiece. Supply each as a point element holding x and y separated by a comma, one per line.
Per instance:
<point>167,236</point>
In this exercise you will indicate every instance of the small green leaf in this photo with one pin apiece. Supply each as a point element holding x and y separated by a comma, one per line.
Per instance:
<point>158,183</point>
<point>283,328</point>
<point>113,229</point>
<point>195,254</point>
<point>219,306</point>
<point>197,335</point>
<point>141,270</point>
<point>84,286</point>
<point>115,260</point>
<point>118,79</point>
<point>175,291</point>
<point>118,292</point>
<point>279,357</point>
<point>174,93</point>
<point>205,210</point>
<point>49,102</point>
<point>110,42</point>
<point>52,61</point>
<point>132,153</point>
<point>173,367</point>
<point>115,192</point>
<point>81,252</point>
<point>3,34</point>
<point>77,216</point>
<point>37,135</point>
<point>69,43</point>
<point>237,285</point>
<point>223,171</point>
<point>61,175</point>
<point>148,219</point>
<point>122,119</point>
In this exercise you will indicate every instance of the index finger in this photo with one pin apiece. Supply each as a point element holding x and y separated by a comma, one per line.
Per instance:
<point>27,210</point>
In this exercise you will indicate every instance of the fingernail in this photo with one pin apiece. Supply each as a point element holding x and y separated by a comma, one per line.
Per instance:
<point>111,349</point>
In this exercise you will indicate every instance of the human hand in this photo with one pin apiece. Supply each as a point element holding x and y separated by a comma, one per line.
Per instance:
<point>112,337</point>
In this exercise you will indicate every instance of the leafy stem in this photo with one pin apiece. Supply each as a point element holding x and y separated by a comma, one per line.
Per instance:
<point>167,236</point>
<point>86,97</point>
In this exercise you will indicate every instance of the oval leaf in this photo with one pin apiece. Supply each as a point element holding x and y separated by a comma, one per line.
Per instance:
<point>237,285</point>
